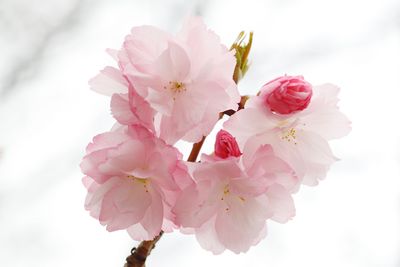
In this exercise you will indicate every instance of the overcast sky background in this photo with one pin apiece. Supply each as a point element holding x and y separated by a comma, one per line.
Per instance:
<point>51,48</point>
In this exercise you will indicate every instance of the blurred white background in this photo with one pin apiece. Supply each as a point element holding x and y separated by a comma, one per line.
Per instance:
<point>50,49</point>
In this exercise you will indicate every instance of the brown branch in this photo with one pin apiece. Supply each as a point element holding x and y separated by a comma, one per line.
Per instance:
<point>241,104</point>
<point>139,255</point>
<point>196,150</point>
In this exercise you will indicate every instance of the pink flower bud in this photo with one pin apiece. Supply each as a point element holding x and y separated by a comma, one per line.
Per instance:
<point>226,145</point>
<point>287,94</point>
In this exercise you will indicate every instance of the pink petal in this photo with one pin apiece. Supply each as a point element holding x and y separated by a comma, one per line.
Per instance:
<point>314,148</point>
<point>203,45</point>
<point>137,232</point>
<point>193,207</point>
<point>108,82</point>
<point>153,218</point>
<point>106,140</point>
<point>323,116</point>
<point>247,122</point>
<point>121,110</point>
<point>274,169</point>
<point>238,227</point>
<point>207,237</point>
<point>145,44</point>
<point>160,100</point>
<point>284,150</point>
<point>280,203</point>
<point>127,157</point>
<point>132,109</point>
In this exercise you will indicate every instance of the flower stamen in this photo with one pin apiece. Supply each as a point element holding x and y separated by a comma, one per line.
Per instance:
<point>226,192</point>
<point>143,181</point>
<point>175,87</point>
<point>290,135</point>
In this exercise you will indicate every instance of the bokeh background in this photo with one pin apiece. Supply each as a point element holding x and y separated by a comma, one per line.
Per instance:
<point>49,50</point>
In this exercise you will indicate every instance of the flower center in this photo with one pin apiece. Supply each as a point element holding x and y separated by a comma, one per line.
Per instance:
<point>226,193</point>
<point>290,135</point>
<point>226,190</point>
<point>143,181</point>
<point>176,87</point>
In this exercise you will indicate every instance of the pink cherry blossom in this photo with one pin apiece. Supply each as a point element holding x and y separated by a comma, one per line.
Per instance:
<point>133,180</point>
<point>301,138</point>
<point>167,88</point>
<point>186,79</point>
<point>231,199</point>
<point>226,145</point>
<point>287,94</point>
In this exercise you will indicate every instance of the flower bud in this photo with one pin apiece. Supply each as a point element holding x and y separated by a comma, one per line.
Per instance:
<point>287,94</point>
<point>226,145</point>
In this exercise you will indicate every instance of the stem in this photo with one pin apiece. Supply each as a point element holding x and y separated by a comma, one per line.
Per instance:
<point>196,150</point>
<point>241,104</point>
<point>139,255</point>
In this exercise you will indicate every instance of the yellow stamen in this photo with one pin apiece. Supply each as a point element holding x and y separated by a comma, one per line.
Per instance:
<point>226,190</point>
<point>290,136</point>
<point>143,181</point>
<point>176,87</point>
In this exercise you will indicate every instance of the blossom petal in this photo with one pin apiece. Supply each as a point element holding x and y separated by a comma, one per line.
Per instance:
<point>153,218</point>
<point>280,203</point>
<point>132,109</point>
<point>108,82</point>
<point>246,123</point>
<point>207,237</point>
<point>323,116</point>
<point>238,227</point>
<point>124,205</point>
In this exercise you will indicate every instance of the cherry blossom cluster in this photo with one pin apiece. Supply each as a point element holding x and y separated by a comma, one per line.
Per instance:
<point>168,88</point>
